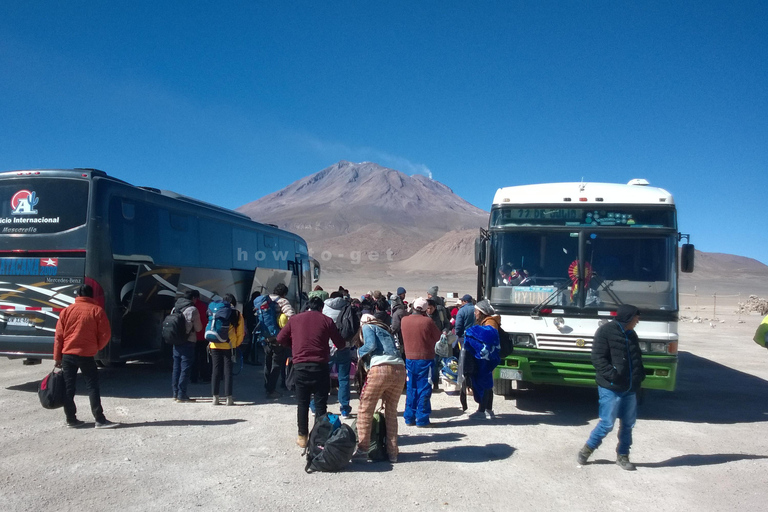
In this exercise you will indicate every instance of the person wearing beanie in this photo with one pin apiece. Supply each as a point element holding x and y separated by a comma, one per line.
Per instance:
<point>465,318</point>
<point>486,345</point>
<point>619,372</point>
<point>419,337</point>
<point>432,294</point>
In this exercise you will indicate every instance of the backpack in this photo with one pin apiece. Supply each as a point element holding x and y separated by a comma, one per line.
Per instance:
<point>331,444</point>
<point>53,390</point>
<point>217,328</point>
<point>265,310</point>
<point>347,322</point>
<point>378,448</point>
<point>174,330</point>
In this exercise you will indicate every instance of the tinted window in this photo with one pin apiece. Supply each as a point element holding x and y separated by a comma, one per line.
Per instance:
<point>42,205</point>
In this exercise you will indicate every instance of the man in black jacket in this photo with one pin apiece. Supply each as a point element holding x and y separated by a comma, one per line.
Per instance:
<point>619,371</point>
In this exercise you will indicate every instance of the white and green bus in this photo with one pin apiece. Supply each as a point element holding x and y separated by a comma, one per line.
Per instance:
<point>137,247</point>
<point>556,262</point>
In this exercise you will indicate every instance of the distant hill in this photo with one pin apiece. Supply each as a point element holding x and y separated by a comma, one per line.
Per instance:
<point>366,208</point>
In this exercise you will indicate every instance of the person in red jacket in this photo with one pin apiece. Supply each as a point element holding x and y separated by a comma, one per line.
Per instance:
<point>82,330</point>
<point>419,337</point>
<point>307,334</point>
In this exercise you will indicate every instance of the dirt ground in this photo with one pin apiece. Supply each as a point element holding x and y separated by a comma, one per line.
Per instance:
<point>701,447</point>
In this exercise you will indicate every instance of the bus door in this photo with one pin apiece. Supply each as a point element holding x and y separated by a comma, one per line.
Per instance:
<point>265,280</point>
<point>148,299</point>
<point>33,291</point>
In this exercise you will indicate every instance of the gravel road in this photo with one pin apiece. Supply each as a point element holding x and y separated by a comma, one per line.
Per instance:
<point>702,447</point>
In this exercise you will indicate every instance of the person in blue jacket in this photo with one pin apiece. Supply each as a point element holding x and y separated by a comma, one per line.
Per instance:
<point>482,344</point>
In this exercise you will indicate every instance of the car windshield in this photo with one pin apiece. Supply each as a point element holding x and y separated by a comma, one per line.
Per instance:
<point>531,268</point>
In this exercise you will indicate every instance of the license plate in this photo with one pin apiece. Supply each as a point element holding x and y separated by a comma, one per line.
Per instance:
<point>18,321</point>
<point>507,374</point>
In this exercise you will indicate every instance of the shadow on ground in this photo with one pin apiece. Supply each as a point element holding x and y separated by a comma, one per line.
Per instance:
<point>689,460</point>
<point>707,392</point>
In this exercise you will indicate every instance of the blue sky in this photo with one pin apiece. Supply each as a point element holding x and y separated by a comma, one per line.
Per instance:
<point>230,101</point>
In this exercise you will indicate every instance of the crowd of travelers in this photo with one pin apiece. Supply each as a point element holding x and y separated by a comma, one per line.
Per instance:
<point>384,342</point>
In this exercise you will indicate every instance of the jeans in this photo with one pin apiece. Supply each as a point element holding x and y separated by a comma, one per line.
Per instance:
<point>183,358</point>
<point>615,405</point>
<point>311,379</point>
<point>343,359</point>
<point>87,365</point>
<point>418,406</point>
<point>221,359</point>
<point>274,362</point>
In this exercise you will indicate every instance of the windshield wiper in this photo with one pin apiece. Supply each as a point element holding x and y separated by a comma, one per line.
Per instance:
<point>559,287</point>
<point>606,286</point>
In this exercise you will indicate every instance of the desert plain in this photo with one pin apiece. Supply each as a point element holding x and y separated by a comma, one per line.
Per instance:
<point>701,447</point>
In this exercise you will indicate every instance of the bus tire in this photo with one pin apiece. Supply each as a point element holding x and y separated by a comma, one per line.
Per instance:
<point>502,387</point>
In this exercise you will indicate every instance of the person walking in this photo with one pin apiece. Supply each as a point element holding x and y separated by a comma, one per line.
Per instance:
<point>307,335</point>
<point>386,378</point>
<point>82,330</point>
<point>334,307</point>
<point>275,356</point>
<point>222,354</point>
<point>619,372</point>
<point>184,355</point>
<point>419,337</point>
<point>482,345</point>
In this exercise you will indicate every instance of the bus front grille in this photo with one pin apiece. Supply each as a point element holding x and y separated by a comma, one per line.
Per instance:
<point>564,342</point>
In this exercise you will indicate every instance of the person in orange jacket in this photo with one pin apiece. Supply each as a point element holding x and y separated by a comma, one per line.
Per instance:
<point>82,330</point>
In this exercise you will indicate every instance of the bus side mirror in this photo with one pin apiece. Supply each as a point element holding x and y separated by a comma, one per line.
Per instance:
<point>479,251</point>
<point>686,258</point>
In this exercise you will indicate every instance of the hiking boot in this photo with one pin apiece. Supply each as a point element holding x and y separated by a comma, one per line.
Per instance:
<point>623,462</point>
<point>584,454</point>
<point>301,441</point>
<point>184,399</point>
<point>106,424</point>
<point>75,423</point>
<point>215,399</point>
<point>230,400</point>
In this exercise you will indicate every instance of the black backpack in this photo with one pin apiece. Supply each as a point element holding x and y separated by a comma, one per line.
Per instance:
<point>378,448</point>
<point>174,330</point>
<point>347,322</point>
<point>53,390</point>
<point>331,444</point>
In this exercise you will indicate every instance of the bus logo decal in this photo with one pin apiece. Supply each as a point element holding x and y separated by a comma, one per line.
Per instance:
<point>23,202</point>
<point>49,262</point>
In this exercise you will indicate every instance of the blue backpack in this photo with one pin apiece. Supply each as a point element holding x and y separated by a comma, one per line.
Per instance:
<point>265,310</point>
<point>217,328</point>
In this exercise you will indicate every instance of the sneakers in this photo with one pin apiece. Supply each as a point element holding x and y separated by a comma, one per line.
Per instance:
<point>623,462</point>
<point>346,414</point>
<point>584,454</point>
<point>360,454</point>
<point>184,399</point>
<point>106,424</point>
<point>274,395</point>
<point>477,415</point>
<point>301,441</point>
<point>75,423</point>
<point>230,400</point>
<point>489,415</point>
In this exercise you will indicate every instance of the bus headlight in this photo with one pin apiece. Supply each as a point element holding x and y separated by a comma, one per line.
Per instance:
<point>523,340</point>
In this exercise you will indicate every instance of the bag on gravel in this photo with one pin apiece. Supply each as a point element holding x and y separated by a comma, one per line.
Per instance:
<point>378,448</point>
<point>331,445</point>
<point>52,391</point>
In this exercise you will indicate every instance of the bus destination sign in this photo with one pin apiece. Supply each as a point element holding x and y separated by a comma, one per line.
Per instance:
<point>545,214</point>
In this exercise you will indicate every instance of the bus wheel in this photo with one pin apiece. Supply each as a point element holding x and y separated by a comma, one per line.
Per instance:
<point>502,387</point>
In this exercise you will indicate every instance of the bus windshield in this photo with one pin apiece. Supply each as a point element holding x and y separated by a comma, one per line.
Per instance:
<point>617,268</point>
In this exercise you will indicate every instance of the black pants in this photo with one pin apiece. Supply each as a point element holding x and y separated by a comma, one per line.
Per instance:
<point>87,365</point>
<point>201,368</point>
<point>311,379</point>
<point>486,403</point>
<point>274,362</point>
<point>221,360</point>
